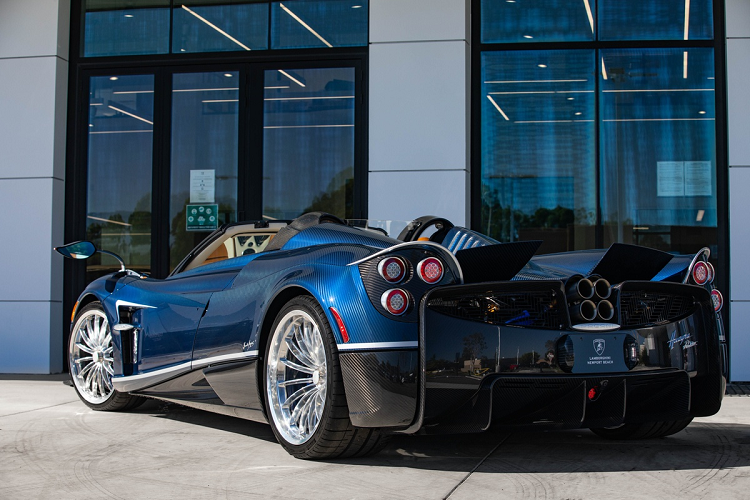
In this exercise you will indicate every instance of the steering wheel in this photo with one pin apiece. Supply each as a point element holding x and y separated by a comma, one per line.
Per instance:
<point>415,228</point>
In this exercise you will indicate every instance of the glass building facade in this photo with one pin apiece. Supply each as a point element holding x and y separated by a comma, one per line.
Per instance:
<point>597,123</point>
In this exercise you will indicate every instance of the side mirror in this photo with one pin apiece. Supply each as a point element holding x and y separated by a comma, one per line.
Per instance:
<point>77,250</point>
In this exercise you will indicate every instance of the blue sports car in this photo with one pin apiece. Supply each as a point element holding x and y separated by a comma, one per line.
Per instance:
<point>339,336</point>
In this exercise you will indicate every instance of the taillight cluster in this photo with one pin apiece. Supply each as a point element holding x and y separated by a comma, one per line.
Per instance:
<point>394,270</point>
<point>703,274</point>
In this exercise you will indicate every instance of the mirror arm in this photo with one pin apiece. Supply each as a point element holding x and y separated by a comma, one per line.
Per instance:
<point>122,263</point>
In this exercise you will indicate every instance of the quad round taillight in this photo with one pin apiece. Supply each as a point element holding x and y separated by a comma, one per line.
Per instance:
<point>701,273</point>
<point>395,301</point>
<point>718,300</point>
<point>430,270</point>
<point>392,269</point>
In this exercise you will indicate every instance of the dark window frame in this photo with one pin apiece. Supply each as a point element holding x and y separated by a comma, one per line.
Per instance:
<point>718,44</point>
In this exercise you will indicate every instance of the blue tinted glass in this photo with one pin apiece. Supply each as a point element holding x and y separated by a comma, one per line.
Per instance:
<point>308,147</point>
<point>118,213</point>
<point>116,28</point>
<point>318,23</point>
<point>538,176</point>
<point>537,21</point>
<point>661,20</point>
<point>205,121</point>
<point>658,149</point>
<point>219,25</point>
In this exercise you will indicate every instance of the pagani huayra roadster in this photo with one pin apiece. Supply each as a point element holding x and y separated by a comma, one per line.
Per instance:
<point>339,336</point>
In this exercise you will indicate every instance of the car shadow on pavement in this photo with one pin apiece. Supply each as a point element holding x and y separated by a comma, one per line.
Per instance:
<point>184,414</point>
<point>700,446</point>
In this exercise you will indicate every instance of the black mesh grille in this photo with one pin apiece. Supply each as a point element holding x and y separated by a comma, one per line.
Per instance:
<point>639,308</point>
<point>539,309</point>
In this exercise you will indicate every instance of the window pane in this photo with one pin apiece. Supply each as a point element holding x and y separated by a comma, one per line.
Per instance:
<point>658,151</point>
<point>205,117</point>
<point>318,23</point>
<point>126,27</point>
<point>538,147</point>
<point>662,20</point>
<point>308,151</point>
<point>219,25</point>
<point>539,21</point>
<point>118,216</point>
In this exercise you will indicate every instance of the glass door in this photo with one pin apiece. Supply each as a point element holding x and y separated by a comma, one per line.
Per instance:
<point>119,184</point>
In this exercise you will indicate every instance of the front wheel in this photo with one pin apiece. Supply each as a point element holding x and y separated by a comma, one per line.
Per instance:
<point>91,363</point>
<point>304,392</point>
<point>647,430</point>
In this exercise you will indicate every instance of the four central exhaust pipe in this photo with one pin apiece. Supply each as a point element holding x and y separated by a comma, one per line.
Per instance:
<point>582,308</point>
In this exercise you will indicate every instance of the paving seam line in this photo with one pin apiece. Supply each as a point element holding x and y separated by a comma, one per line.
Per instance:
<point>472,471</point>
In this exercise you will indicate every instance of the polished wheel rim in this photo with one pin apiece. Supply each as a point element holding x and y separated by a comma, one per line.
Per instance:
<point>90,357</point>
<point>296,378</point>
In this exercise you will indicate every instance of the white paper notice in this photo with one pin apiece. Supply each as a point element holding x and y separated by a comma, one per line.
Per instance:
<point>670,178</point>
<point>202,186</point>
<point>698,178</point>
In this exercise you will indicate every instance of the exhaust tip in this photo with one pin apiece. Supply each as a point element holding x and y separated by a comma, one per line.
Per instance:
<point>605,310</point>
<point>584,311</point>
<point>582,289</point>
<point>602,288</point>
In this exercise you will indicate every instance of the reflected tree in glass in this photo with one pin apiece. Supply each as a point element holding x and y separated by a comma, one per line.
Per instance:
<point>538,175</point>
<point>308,152</point>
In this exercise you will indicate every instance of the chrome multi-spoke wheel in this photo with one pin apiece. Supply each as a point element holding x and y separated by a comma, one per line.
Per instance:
<point>90,356</point>
<point>304,390</point>
<point>297,376</point>
<point>91,362</point>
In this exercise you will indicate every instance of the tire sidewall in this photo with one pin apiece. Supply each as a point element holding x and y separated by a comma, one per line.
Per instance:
<point>310,306</point>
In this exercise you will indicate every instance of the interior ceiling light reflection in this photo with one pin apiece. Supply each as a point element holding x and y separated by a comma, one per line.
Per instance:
<point>203,19</point>
<point>304,24</point>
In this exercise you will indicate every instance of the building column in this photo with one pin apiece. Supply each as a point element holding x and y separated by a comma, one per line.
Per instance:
<point>419,91</point>
<point>738,105</point>
<point>34,40</point>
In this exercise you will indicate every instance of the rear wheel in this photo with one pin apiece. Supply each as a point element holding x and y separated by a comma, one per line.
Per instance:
<point>304,389</point>
<point>648,430</point>
<point>91,363</point>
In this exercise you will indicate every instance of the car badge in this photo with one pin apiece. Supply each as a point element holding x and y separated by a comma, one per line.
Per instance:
<point>599,346</point>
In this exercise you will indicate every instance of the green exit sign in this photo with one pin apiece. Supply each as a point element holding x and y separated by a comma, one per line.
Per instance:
<point>202,217</point>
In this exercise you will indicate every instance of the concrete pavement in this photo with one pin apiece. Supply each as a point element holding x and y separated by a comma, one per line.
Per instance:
<point>53,446</point>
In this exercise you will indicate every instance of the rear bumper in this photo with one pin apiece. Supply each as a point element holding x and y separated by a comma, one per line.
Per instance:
<point>468,375</point>
<point>478,374</point>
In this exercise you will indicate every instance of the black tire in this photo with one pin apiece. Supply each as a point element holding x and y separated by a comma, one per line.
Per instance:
<point>333,436</point>
<point>648,430</point>
<point>96,390</point>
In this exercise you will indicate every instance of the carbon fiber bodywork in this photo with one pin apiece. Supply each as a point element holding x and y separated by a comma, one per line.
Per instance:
<point>492,343</point>
<point>481,373</point>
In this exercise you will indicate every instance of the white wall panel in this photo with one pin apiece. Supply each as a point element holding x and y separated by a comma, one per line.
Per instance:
<point>739,233</point>
<point>740,343</point>
<point>418,106</point>
<point>408,195</point>
<point>32,28</point>
<point>738,18</point>
<point>27,117</point>
<point>30,337</point>
<point>738,76</point>
<point>418,20</point>
<point>26,265</point>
